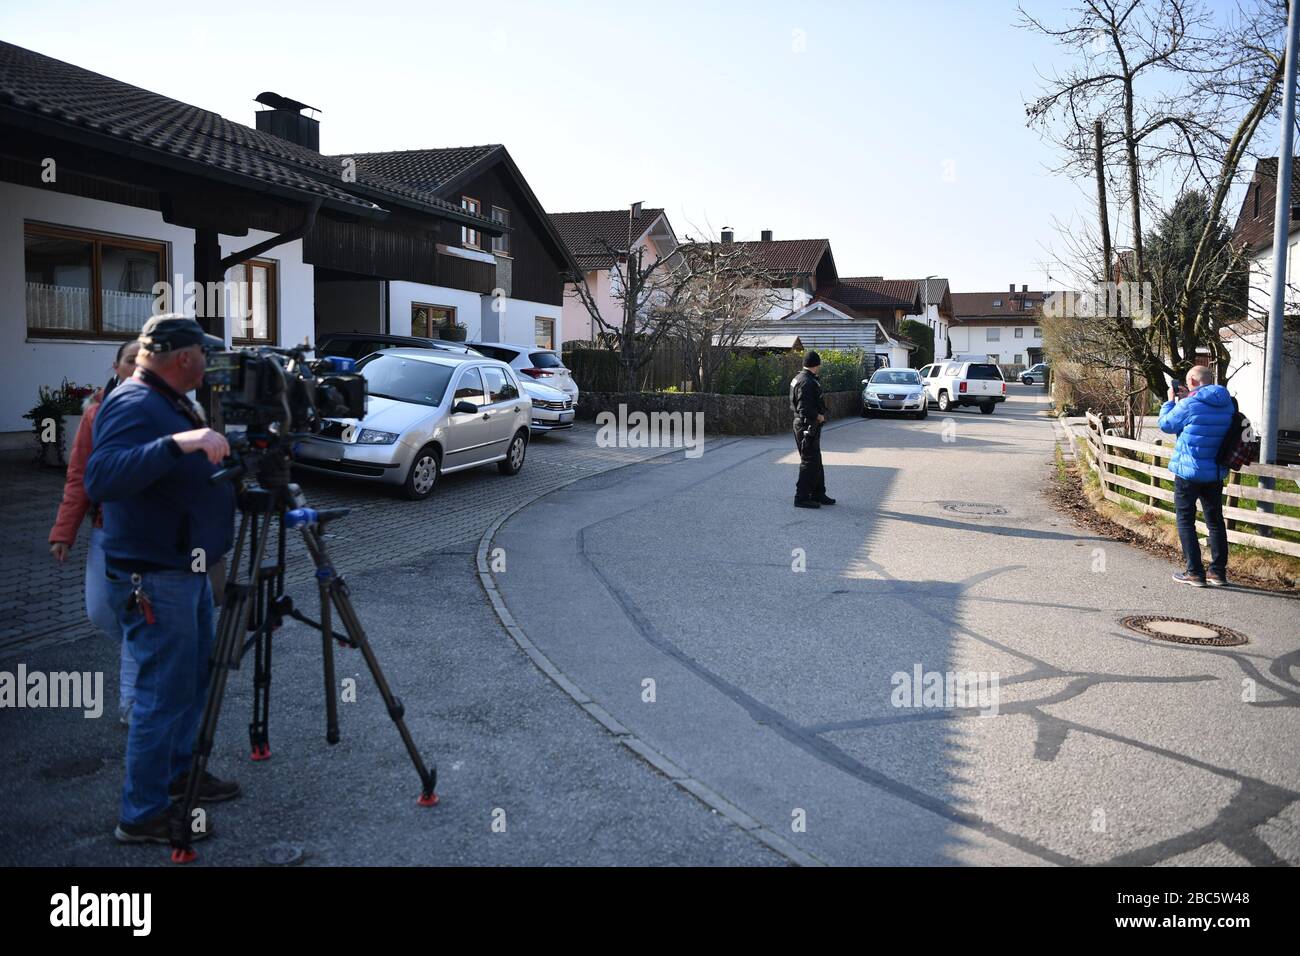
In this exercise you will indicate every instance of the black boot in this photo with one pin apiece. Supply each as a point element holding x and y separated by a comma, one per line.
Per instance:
<point>806,503</point>
<point>824,499</point>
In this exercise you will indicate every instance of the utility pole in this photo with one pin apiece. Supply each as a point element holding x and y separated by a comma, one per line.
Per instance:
<point>1281,230</point>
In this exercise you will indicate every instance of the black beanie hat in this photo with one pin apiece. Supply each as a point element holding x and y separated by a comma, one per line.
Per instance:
<point>811,359</point>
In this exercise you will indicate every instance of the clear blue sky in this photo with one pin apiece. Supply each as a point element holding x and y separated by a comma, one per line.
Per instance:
<point>894,129</point>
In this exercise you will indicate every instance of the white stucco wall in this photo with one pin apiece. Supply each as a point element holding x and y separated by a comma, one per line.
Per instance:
<point>512,320</point>
<point>26,363</point>
<point>973,340</point>
<point>401,294</point>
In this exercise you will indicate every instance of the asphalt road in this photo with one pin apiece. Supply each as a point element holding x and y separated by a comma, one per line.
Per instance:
<point>761,650</point>
<point>525,776</point>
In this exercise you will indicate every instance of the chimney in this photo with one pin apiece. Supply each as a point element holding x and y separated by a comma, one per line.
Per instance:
<point>285,120</point>
<point>1012,288</point>
<point>727,234</point>
<point>1024,288</point>
<point>766,235</point>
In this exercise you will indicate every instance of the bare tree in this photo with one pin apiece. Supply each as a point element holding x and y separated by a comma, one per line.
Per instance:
<point>726,292</point>
<point>1162,92</point>
<point>644,285</point>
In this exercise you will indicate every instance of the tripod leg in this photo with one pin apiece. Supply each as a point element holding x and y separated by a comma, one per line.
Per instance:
<point>338,590</point>
<point>327,657</point>
<point>232,624</point>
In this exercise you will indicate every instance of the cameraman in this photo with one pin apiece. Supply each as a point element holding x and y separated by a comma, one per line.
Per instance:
<point>164,521</point>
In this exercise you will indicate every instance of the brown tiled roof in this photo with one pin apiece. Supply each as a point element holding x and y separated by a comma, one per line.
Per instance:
<point>788,256</point>
<point>1255,232</point>
<point>155,128</point>
<point>586,233</point>
<point>979,305</point>
<point>870,292</point>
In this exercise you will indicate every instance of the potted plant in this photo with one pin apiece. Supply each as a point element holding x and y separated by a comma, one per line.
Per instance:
<point>55,418</point>
<point>453,333</point>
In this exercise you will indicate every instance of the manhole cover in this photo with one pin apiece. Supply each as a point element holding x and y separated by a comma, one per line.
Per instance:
<point>974,508</point>
<point>76,767</point>
<point>1181,630</point>
<point>282,854</point>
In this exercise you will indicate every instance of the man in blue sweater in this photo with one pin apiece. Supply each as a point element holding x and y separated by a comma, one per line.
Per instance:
<point>164,522</point>
<point>1200,416</point>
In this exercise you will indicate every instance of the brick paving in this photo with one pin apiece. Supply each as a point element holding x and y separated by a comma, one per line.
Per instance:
<point>42,602</point>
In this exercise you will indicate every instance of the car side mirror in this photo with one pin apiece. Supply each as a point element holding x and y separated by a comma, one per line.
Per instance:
<point>866,381</point>
<point>464,407</point>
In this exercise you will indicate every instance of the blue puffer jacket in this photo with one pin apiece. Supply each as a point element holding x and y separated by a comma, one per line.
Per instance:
<point>1200,421</point>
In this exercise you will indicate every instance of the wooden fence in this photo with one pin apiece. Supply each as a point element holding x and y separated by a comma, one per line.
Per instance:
<point>1109,454</point>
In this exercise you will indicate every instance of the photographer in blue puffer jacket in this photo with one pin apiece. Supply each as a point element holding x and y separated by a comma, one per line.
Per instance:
<point>1200,416</point>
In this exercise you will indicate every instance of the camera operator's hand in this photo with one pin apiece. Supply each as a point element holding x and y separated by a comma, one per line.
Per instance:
<point>211,443</point>
<point>59,550</point>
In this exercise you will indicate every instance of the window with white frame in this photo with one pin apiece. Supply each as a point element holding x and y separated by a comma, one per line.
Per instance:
<point>992,334</point>
<point>1038,333</point>
<point>1020,333</point>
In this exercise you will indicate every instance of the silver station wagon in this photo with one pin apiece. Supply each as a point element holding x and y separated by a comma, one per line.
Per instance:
<point>427,413</point>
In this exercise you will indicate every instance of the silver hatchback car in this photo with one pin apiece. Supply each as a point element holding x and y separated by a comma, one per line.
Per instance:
<point>427,413</point>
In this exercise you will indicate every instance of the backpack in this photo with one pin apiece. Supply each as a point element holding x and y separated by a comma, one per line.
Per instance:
<point>1237,450</point>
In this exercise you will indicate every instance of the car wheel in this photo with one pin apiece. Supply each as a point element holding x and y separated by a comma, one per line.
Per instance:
<point>423,476</point>
<point>944,403</point>
<point>986,408</point>
<point>514,459</point>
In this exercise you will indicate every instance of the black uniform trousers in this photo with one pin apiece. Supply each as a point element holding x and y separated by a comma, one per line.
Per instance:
<point>812,477</point>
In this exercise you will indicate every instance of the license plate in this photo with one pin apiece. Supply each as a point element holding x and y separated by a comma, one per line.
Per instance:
<point>315,452</point>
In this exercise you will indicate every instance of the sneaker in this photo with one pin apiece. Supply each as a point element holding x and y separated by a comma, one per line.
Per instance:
<point>1216,580</point>
<point>211,789</point>
<point>157,829</point>
<point>1186,577</point>
<point>806,503</point>
<point>825,500</point>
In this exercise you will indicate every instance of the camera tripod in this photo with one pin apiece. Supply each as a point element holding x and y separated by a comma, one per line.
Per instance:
<point>254,606</point>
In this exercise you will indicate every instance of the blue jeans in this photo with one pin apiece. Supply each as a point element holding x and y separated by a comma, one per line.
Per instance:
<point>172,684</point>
<point>100,611</point>
<point>1210,494</point>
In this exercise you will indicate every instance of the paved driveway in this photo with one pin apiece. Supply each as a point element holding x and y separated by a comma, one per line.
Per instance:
<point>762,652</point>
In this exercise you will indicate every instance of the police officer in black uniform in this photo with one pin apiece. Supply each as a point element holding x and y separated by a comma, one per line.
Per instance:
<point>809,409</point>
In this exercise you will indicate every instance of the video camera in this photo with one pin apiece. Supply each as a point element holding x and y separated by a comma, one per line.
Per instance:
<point>280,391</point>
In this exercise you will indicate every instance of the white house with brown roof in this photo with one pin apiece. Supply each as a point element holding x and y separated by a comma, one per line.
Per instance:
<point>594,238</point>
<point>1245,340</point>
<point>1002,325</point>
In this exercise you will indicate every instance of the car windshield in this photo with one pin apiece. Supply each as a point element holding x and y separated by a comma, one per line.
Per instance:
<point>896,377</point>
<point>405,379</point>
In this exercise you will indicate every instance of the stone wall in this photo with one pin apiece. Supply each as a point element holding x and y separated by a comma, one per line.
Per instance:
<point>723,414</point>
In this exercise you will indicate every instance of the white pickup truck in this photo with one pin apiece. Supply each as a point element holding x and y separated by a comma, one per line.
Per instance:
<point>959,382</point>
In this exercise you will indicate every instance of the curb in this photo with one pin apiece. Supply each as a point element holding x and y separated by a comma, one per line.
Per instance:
<point>684,781</point>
